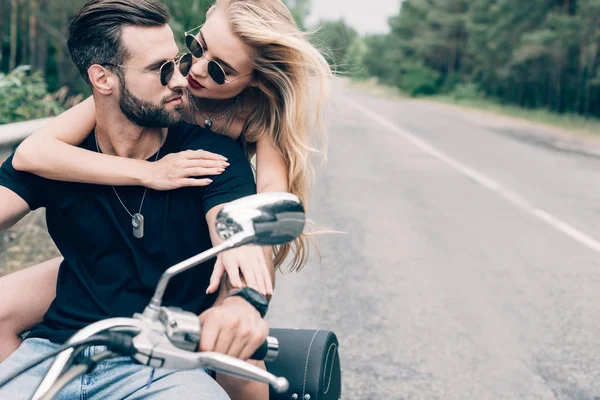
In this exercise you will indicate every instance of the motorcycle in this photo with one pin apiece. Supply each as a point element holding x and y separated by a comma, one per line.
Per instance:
<point>168,337</point>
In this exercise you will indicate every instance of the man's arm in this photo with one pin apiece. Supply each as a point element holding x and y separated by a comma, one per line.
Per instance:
<point>236,388</point>
<point>12,208</point>
<point>234,333</point>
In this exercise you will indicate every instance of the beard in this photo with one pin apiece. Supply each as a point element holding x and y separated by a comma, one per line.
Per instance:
<point>148,115</point>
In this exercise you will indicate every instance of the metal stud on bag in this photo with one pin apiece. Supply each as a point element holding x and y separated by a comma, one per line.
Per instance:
<point>307,397</point>
<point>295,396</point>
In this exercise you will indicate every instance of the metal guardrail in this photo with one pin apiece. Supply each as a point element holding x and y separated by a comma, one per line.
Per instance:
<point>12,134</point>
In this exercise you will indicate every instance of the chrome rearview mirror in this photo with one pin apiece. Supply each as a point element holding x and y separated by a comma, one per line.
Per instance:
<point>266,219</point>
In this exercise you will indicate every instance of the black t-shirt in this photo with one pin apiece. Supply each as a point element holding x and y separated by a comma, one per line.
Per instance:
<point>107,272</point>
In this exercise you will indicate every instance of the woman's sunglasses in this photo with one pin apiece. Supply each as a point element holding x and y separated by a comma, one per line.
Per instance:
<point>215,70</point>
<point>167,69</point>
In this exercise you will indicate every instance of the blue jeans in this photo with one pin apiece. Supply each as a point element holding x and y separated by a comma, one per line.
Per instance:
<point>118,378</point>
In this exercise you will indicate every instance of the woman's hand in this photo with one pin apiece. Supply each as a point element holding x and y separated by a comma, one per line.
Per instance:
<point>250,260</point>
<point>181,169</point>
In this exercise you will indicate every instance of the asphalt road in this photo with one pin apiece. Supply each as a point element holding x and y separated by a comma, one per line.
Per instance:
<point>470,266</point>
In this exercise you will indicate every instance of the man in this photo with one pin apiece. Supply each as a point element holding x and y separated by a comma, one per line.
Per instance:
<point>116,242</point>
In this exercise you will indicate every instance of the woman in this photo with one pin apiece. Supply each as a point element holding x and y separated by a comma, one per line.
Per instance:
<point>251,79</point>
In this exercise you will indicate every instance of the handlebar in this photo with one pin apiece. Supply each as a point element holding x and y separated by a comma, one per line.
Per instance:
<point>267,351</point>
<point>168,341</point>
<point>74,373</point>
<point>183,331</point>
<point>65,359</point>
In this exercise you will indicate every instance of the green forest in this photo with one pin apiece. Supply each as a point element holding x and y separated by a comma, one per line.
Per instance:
<point>537,54</point>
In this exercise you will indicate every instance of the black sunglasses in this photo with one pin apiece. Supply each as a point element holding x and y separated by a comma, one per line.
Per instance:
<point>215,70</point>
<point>167,69</point>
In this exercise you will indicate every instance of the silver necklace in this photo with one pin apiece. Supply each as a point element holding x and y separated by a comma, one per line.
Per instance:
<point>208,120</point>
<point>137,219</point>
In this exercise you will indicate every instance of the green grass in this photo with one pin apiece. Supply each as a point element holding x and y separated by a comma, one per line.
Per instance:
<point>372,86</point>
<point>571,122</point>
<point>568,121</point>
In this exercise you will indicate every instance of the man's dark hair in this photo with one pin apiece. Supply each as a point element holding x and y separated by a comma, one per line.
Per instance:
<point>95,30</point>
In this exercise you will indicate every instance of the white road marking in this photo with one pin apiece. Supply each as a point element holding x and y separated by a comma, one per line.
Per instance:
<point>491,184</point>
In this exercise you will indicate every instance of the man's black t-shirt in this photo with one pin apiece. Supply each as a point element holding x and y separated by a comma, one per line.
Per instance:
<point>107,272</point>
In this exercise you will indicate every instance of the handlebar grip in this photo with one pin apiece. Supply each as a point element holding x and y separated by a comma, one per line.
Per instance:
<point>267,351</point>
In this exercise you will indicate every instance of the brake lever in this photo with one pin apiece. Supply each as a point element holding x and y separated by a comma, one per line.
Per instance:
<point>156,347</point>
<point>232,366</point>
<point>163,354</point>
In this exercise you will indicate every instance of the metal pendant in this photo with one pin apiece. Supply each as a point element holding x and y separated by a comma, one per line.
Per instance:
<point>208,123</point>
<point>137,221</point>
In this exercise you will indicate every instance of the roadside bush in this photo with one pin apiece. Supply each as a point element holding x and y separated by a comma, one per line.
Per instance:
<point>23,96</point>
<point>466,91</point>
<point>419,80</point>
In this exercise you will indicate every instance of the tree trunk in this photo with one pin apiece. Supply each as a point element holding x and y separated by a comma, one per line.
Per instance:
<point>3,21</point>
<point>63,61</point>
<point>558,102</point>
<point>42,38</point>
<point>548,91</point>
<point>12,63</point>
<point>591,72</point>
<point>453,55</point>
<point>33,34</point>
<point>23,34</point>
<point>582,72</point>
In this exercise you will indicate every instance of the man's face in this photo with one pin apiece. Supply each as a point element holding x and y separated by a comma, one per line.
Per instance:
<point>142,98</point>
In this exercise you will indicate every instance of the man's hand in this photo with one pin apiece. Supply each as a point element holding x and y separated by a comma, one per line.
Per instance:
<point>250,261</point>
<point>234,328</point>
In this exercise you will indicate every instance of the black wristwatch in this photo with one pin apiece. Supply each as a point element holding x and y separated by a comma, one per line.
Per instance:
<point>253,297</point>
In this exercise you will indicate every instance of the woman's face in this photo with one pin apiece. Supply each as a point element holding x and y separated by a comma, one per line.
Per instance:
<point>223,46</point>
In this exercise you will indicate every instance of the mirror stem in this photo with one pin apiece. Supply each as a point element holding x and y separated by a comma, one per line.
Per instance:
<point>153,307</point>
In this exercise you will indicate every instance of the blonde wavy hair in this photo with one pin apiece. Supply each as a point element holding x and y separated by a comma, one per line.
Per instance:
<point>292,84</point>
